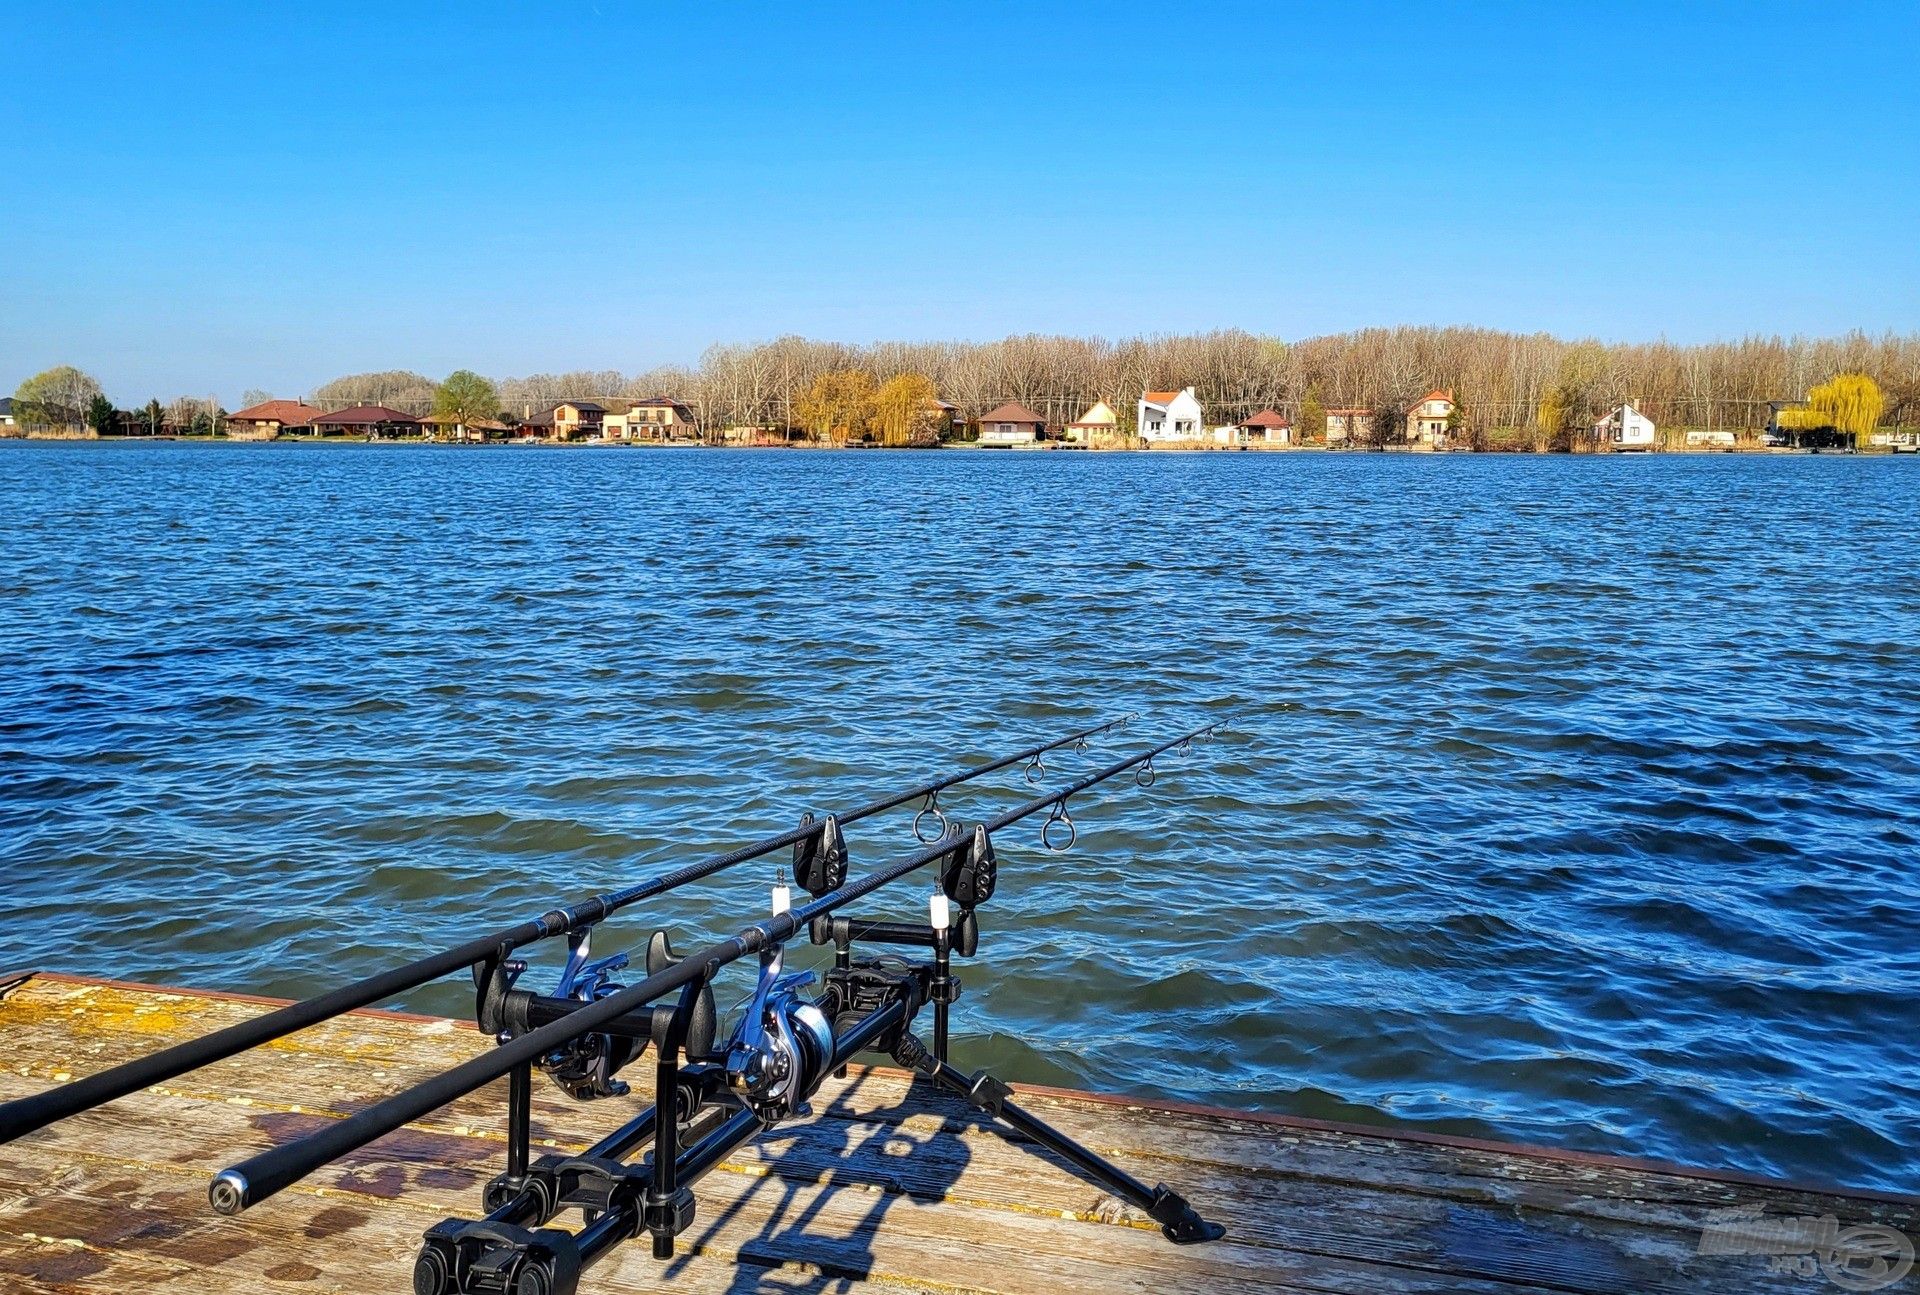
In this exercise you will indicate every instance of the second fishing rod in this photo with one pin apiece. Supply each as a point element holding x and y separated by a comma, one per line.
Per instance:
<point>818,839</point>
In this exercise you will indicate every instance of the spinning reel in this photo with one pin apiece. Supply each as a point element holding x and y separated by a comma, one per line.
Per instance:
<point>783,1045</point>
<point>584,1066</point>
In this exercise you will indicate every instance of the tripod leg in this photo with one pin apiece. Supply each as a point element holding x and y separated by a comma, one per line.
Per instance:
<point>1177,1219</point>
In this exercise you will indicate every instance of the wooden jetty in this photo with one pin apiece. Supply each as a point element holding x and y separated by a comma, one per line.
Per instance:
<point>898,1191</point>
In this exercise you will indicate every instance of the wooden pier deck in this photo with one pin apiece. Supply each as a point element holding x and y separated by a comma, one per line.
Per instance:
<point>883,1190</point>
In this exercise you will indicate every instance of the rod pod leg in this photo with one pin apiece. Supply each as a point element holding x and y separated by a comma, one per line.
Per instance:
<point>1179,1222</point>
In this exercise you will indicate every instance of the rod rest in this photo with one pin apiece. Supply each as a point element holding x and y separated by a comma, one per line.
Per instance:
<point>831,928</point>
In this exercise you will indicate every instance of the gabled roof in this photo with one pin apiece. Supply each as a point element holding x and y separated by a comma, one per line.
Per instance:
<point>1013,412</point>
<point>1267,418</point>
<point>584,406</point>
<point>364,416</point>
<point>287,413</point>
<point>1100,415</point>
<point>1160,397</point>
<point>652,402</point>
<point>1436,394</point>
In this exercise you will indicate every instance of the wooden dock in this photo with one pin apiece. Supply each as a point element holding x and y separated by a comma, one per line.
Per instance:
<point>899,1191</point>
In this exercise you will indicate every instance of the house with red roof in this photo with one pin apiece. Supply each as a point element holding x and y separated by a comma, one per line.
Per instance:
<point>264,421</point>
<point>1268,427</point>
<point>1427,420</point>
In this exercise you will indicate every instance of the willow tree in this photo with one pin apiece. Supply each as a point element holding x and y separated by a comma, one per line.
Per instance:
<point>838,406</point>
<point>1850,402</point>
<point>901,405</point>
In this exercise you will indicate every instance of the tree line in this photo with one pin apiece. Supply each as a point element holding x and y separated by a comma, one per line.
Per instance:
<point>1511,389</point>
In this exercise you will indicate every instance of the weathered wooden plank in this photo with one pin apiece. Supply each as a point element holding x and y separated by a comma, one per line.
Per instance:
<point>885,1184</point>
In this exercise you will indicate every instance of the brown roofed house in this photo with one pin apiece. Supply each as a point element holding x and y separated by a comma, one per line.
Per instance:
<point>366,420</point>
<point>1011,424</point>
<point>1268,427</point>
<point>264,421</point>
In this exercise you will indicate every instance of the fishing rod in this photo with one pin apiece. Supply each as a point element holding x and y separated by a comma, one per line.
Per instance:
<point>818,840</point>
<point>782,1048</point>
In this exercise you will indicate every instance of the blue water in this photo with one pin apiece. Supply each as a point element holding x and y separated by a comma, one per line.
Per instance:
<point>1569,800</point>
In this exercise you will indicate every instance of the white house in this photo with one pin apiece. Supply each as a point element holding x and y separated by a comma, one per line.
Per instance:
<point>1626,428</point>
<point>1170,417</point>
<point>1427,420</point>
<point>1702,438</point>
<point>1096,422</point>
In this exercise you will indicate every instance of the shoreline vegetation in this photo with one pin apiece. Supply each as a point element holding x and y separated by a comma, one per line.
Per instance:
<point>1485,390</point>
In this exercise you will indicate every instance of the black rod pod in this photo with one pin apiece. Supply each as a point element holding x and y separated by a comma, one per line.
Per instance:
<point>25,1115</point>
<point>255,1179</point>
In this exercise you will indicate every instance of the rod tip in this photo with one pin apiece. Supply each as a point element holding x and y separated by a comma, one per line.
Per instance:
<point>228,1192</point>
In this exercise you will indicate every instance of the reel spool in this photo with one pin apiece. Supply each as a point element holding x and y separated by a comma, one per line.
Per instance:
<point>783,1045</point>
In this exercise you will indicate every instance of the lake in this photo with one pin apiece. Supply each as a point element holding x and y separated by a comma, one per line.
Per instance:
<point>1564,800</point>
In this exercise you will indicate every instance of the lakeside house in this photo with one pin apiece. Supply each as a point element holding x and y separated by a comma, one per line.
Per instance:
<point>1427,420</point>
<point>1011,424</point>
<point>6,411</point>
<point>1268,427</point>
<point>458,429</point>
<point>657,418</point>
<point>1348,425</point>
<point>1901,440</point>
<point>566,420</point>
<point>1099,422</point>
<point>366,420</point>
<point>1625,429</point>
<point>1171,417</point>
<point>264,421</point>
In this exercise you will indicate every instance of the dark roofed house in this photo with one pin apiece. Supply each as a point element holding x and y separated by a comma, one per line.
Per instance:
<point>1011,424</point>
<point>267,420</point>
<point>659,418</point>
<point>366,420</point>
<point>6,411</point>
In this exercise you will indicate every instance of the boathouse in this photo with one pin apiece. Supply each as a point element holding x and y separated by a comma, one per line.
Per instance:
<point>1011,424</point>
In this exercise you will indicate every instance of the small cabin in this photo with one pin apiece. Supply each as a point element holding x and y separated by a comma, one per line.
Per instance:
<point>1011,424</point>
<point>1711,438</point>
<point>1099,422</point>
<point>1625,429</point>
<point>1171,417</point>
<point>1268,427</point>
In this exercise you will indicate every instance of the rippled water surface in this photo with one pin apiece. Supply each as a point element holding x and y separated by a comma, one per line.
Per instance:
<point>1567,800</point>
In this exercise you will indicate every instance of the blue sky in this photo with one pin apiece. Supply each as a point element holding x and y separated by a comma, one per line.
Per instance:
<point>201,198</point>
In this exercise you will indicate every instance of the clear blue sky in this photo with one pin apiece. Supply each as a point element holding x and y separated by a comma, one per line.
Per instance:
<point>201,198</point>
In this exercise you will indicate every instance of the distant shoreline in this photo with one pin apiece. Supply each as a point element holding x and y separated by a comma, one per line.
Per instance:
<point>1055,447</point>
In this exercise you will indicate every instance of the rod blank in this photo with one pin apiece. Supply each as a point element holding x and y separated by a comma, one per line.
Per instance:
<point>25,1115</point>
<point>253,1180</point>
